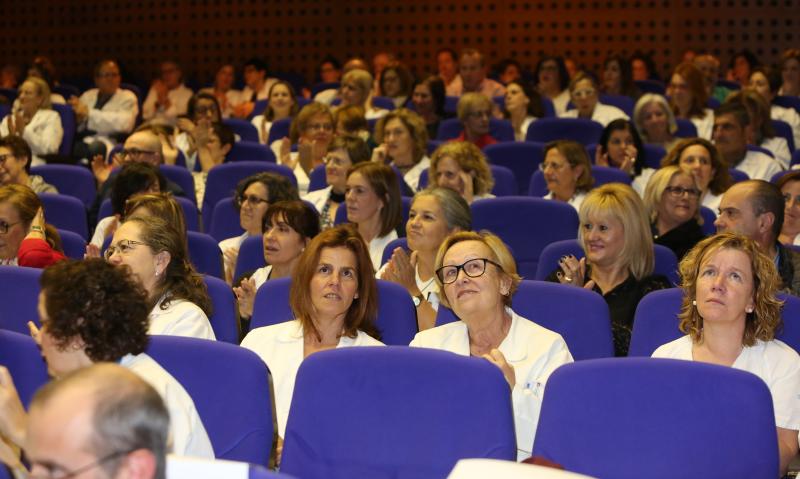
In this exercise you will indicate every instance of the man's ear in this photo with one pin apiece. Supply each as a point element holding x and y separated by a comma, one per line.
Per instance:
<point>139,464</point>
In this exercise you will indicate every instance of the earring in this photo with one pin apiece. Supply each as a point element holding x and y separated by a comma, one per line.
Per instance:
<point>748,310</point>
<point>694,302</point>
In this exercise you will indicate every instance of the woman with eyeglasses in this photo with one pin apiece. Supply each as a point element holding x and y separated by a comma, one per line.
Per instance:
<point>25,238</point>
<point>251,199</point>
<point>344,152</point>
<point>672,200</point>
<point>34,119</point>
<point>312,132</point>
<point>702,159</point>
<point>567,171</point>
<point>621,147</point>
<point>477,276</point>
<point>616,239</point>
<point>156,254</point>
<point>585,100</point>
<point>475,112</point>
<point>688,97</point>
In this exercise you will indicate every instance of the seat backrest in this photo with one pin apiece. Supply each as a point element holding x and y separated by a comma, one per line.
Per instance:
<point>656,321</point>
<point>784,130</point>
<point>224,320</point>
<point>225,221</point>
<point>181,177</point>
<point>383,102</point>
<point>19,297</point>
<point>21,356</point>
<point>583,131</point>
<point>322,86</point>
<point>389,249</point>
<point>397,320</point>
<point>74,246</point>
<point>738,175</point>
<point>651,86</point>
<point>230,389</point>
<point>653,155</point>
<point>249,151</point>
<point>581,317</point>
<point>243,128</point>
<point>222,180</point>
<point>279,130</point>
<point>67,115</point>
<point>500,130</point>
<point>419,411</point>
<point>251,256</point>
<point>686,128</point>
<point>317,180</point>
<point>788,102</point>
<point>522,158</point>
<point>517,221</point>
<point>624,103</point>
<point>709,216</point>
<point>204,253</point>
<point>594,414</point>
<point>69,180</point>
<point>65,212</point>
<point>505,183</point>
<point>606,174</point>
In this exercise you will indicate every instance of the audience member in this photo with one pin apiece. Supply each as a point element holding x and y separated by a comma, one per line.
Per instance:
<point>508,70</point>
<point>766,82</point>
<point>435,214</point>
<point>567,172</point>
<point>168,97</point>
<point>395,82</point>
<point>730,316</point>
<point>732,126</point>
<point>312,132</point>
<point>620,147</point>
<point>222,89</point>
<point>643,67</point>
<point>374,206</point>
<point>702,159</point>
<point>790,72</point>
<point>708,65</point>
<point>282,104</point>
<point>26,239</point>
<point>462,167</point>
<point>356,90</point>
<point>553,82</point>
<point>33,119</point>
<point>655,121</point>
<point>618,78</point>
<point>789,184</point>
<point>15,166</point>
<point>742,63</point>
<point>475,113</point>
<point>195,128</point>
<point>473,69</point>
<point>257,85</point>
<point>616,239</point>
<point>522,106</point>
<point>688,97</point>
<point>585,100</point>
<point>447,68</point>
<point>755,209</point>
<point>760,131</point>
<point>380,61</point>
<point>427,99</point>
<point>488,328</point>
<point>403,142</point>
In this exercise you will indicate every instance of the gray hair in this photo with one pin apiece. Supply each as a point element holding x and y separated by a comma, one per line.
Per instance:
<point>456,210</point>
<point>638,113</point>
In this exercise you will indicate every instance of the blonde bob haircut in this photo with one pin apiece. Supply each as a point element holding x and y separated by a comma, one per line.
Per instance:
<point>499,254</point>
<point>765,319</point>
<point>415,126</point>
<point>638,113</point>
<point>363,310</point>
<point>471,102</point>
<point>656,187</point>
<point>362,80</point>
<point>470,158</point>
<point>43,90</point>
<point>621,202</point>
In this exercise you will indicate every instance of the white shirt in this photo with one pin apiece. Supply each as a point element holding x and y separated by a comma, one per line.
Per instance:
<point>603,114</point>
<point>560,102</point>
<point>639,183</point>
<point>759,166</point>
<point>263,133</point>
<point>790,116</point>
<point>263,94</point>
<point>779,148</point>
<point>576,201</point>
<point>117,116</point>
<point>326,96</point>
<point>178,105</point>
<point>428,289</point>
<point>533,351</point>
<point>189,437</point>
<point>318,198</point>
<point>411,177</point>
<point>99,236</point>
<point>232,98</point>
<point>261,275</point>
<point>523,128</point>
<point>704,125</point>
<point>281,347</point>
<point>376,247</point>
<point>374,113</point>
<point>711,201</point>
<point>43,134</point>
<point>235,243</point>
<point>181,318</point>
<point>774,362</point>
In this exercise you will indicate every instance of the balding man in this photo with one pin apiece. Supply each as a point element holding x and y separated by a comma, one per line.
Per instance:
<point>473,69</point>
<point>755,209</point>
<point>102,421</point>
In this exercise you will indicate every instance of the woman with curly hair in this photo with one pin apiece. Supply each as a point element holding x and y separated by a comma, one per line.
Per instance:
<point>92,312</point>
<point>730,316</point>
<point>462,167</point>
<point>156,253</point>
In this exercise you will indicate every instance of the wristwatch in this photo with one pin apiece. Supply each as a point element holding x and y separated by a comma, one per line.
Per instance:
<point>418,299</point>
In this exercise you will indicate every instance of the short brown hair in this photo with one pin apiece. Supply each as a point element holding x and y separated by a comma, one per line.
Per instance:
<point>415,126</point>
<point>356,148</point>
<point>576,155</point>
<point>27,204</point>
<point>99,303</point>
<point>384,182</point>
<point>19,149</point>
<point>162,205</point>
<point>722,178</point>
<point>765,319</point>
<point>300,123</point>
<point>299,215</point>
<point>352,118</point>
<point>363,311</point>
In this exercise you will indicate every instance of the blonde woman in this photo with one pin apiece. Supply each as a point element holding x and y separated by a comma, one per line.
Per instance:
<point>462,167</point>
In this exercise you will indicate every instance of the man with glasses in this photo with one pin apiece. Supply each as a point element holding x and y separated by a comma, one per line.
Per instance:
<point>754,209</point>
<point>104,115</point>
<point>100,421</point>
<point>732,128</point>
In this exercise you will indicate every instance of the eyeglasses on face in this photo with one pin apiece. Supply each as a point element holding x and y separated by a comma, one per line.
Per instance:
<point>678,191</point>
<point>134,153</point>
<point>56,474</point>
<point>320,126</point>
<point>473,268</point>
<point>552,165</point>
<point>252,200</point>
<point>4,227</point>
<point>122,247</point>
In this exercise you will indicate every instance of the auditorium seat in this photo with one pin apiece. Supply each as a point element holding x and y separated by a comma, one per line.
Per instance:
<point>784,130</point>
<point>230,389</point>
<point>242,128</point>
<point>21,356</point>
<point>190,214</point>
<point>500,130</point>
<point>68,126</point>
<point>65,212</point>
<point>415,412</point>
<point>224,319</point>
<point>251,256</point>
<point>686,128</point>
<point>279,130</point>
<point>632,418</point>
<point>583,131</point>
<point>76,181</point>
<point>581,317</point>
<point>204,253</point>
<point>73,244</point>
<point>225,221</point>
<point>249,151</point>
<point>522,158</point>
<point>181,177</point>
<point>396,320</point>
<point>19,297</point>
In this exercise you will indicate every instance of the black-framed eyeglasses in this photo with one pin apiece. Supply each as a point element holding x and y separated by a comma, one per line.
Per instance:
<point>122,247</point>
<point>472,268</point>
<point>252,200</point>
<point>81,470</point>
<point>4,227</point>
<point>135,152</point>
<point>678,191</point>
